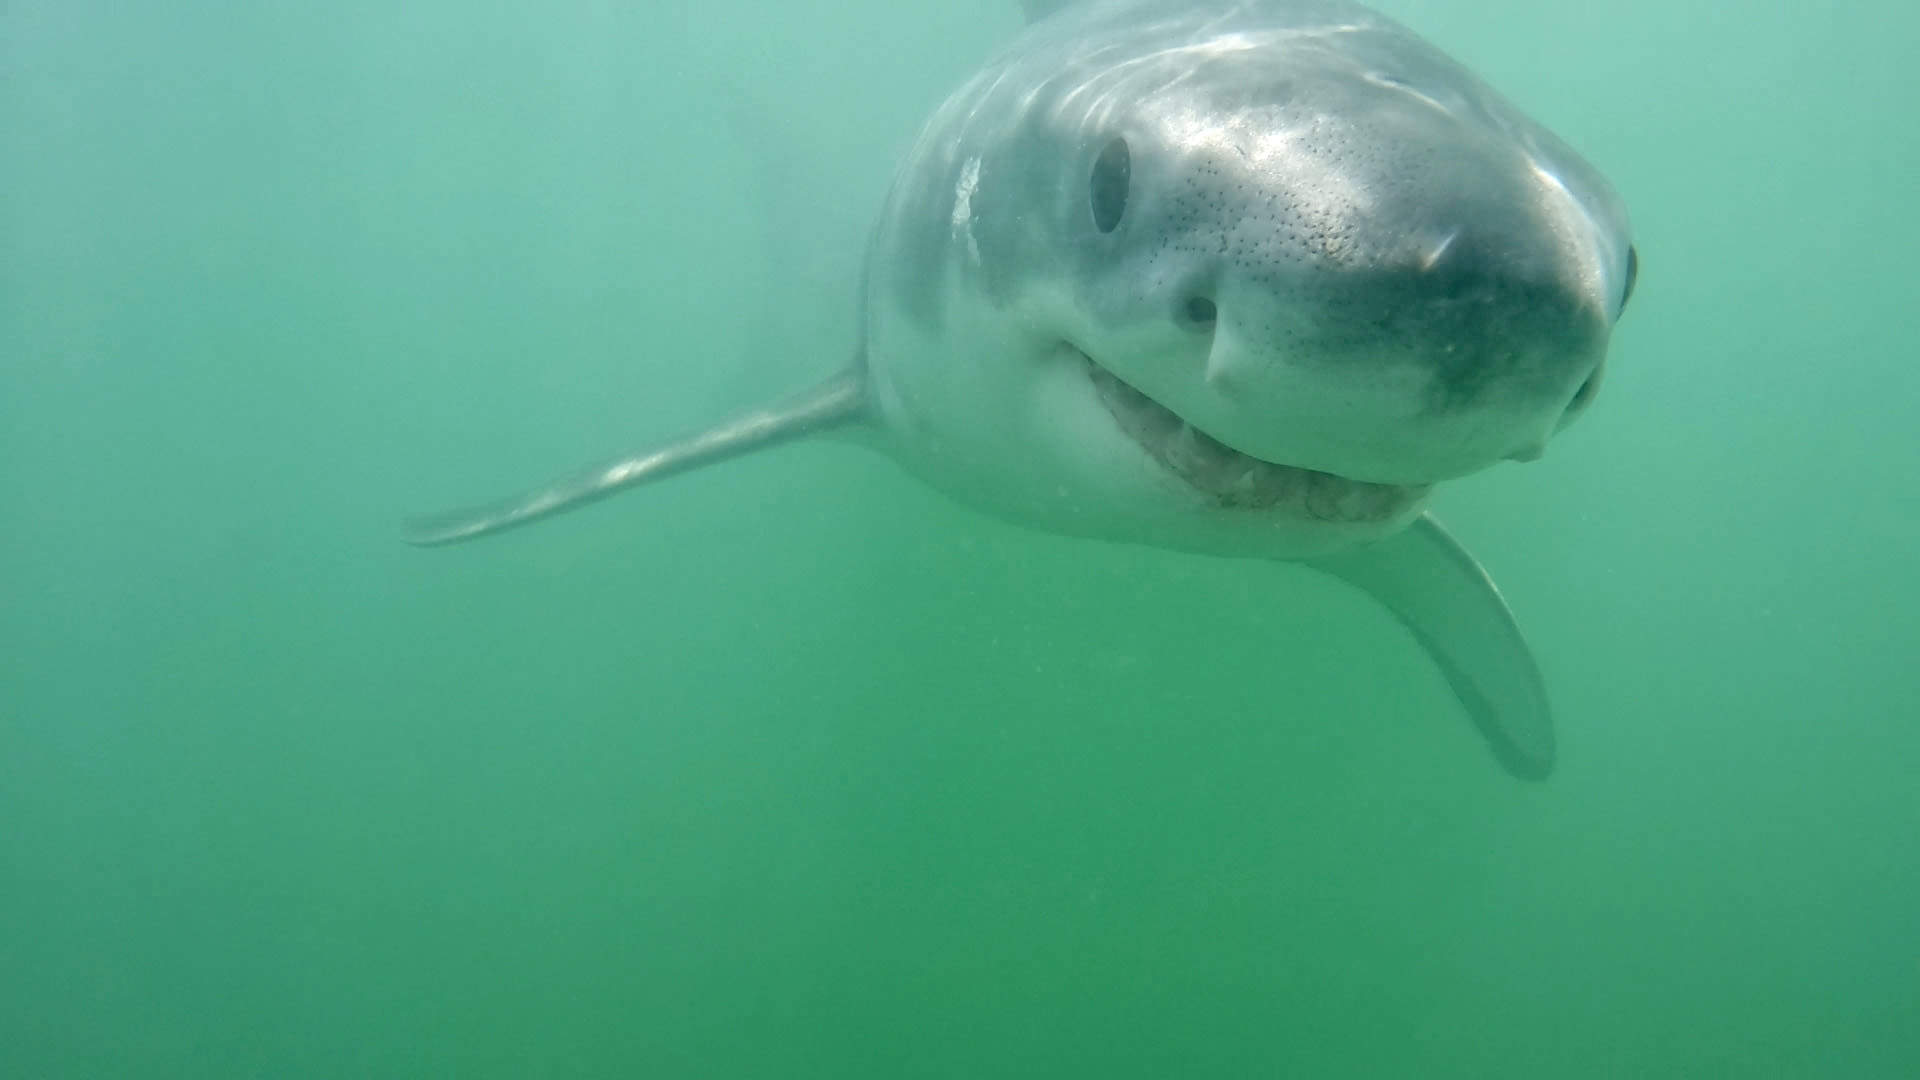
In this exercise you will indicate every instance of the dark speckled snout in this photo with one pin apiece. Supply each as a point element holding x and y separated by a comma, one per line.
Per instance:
<point>1391,290</point>
<point>1484,309</point>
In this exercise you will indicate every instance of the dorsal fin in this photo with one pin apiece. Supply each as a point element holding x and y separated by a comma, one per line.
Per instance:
<point>838,402</point>
<point>1040,9</point>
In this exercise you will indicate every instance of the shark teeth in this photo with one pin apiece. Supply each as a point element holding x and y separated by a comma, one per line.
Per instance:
<point>1237,480</point>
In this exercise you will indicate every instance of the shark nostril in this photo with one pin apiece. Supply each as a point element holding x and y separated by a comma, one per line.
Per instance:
<point>1201,313</point>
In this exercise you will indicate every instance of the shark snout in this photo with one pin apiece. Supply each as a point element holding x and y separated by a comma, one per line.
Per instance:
<point>1412,373</point>
<point>1442,334</point>
<point>1409,293</point>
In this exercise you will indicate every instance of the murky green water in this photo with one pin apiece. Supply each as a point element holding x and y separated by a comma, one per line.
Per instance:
<point>793,769</point>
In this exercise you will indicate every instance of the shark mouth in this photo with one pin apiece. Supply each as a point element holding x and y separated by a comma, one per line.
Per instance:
<point>1238,481</point>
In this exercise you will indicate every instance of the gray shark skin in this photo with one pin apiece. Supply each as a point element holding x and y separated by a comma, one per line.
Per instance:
<point>1242,278</point>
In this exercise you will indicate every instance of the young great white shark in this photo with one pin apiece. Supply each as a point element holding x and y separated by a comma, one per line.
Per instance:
<point>1238,277</point>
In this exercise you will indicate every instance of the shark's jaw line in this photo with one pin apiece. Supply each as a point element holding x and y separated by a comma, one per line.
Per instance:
<point>1234,480</point>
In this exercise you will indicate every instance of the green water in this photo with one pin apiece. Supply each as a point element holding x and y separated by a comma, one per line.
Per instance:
<point>794,770</point>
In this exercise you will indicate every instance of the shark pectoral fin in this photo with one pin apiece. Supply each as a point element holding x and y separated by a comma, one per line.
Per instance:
<point>1453,609</point>
<point>839,402</point>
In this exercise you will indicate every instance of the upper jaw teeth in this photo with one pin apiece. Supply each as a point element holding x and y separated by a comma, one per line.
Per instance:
<point>1239,480</point>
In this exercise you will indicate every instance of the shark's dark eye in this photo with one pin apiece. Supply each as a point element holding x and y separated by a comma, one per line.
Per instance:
<point>1633,275</point>
<point>1202,313</point>
<point>1112,175</point>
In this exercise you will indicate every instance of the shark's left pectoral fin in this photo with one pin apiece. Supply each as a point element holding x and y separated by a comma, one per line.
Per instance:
<point>1453,609</point>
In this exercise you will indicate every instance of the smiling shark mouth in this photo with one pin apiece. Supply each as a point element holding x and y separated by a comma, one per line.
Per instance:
<point>1239,481</point>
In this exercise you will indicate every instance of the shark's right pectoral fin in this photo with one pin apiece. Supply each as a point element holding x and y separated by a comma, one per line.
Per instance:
<point>1453,609</point>
<point>839,402</point>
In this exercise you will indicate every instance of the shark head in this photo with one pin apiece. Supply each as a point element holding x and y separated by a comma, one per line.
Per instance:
<point>1236,275</point>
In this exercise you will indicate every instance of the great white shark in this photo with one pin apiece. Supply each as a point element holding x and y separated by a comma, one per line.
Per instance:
<point>1245,278</point>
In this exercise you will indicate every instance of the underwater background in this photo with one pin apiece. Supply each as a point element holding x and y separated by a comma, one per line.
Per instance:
<point>792,768</point>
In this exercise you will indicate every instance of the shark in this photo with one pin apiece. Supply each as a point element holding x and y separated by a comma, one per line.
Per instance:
<point>1238,278</point>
